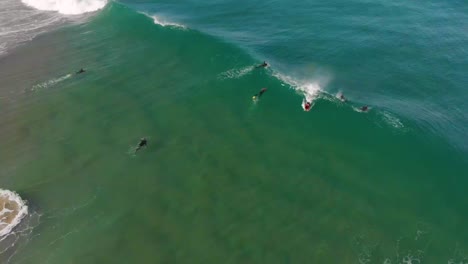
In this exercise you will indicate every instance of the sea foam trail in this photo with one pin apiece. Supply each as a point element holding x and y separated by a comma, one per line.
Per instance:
<point>52,82</point>
<point>12,210</point>
<point>67,7</point>
<point>235,73</point>
<point>392,120</point>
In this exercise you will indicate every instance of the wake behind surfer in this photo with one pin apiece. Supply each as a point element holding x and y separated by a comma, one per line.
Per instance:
<point>143,143</point>
<point>259,94</point>
<point>263,65</point>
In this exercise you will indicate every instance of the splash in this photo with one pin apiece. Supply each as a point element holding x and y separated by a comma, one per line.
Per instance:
<point>67,7</point>
<point>303,105</point>
<point>12,210</point>
<point>310,89</point>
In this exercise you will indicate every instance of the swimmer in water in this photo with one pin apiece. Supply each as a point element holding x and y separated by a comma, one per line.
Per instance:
<point>263,65</point>
<point>80,71</point>
<point>365,108</point>
<point>257,96</point>
<point>143,143</point>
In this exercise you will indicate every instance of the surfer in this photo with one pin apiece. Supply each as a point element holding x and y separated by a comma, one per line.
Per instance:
<point>257,96</point>
<point>143,143</point>
<point>307,106</point>
<point>80,71</point>
<point>365,108</point>
<point>342,98</point>
<point>263,65</point>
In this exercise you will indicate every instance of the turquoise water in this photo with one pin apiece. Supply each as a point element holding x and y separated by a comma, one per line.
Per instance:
<point>225,179</point>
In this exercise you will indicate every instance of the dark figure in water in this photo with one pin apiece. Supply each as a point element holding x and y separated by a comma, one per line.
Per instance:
<point>263,65</point>
<point>80,71</point>
<point>342,98</point>
<point>307,106</point>
<point>257,96</point>
<point>143,143</point>
<point>365,108</point>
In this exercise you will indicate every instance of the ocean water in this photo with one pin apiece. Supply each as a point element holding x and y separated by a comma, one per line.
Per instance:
<point>225,179</point>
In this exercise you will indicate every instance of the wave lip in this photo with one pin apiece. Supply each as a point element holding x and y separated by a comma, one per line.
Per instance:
<point>67,7</point>
<point>162,22</point>
<point>12,210</point>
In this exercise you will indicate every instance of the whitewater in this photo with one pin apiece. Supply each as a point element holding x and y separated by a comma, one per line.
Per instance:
<point>67,7</point>
<point>21,21</point>
<point>12,210</point>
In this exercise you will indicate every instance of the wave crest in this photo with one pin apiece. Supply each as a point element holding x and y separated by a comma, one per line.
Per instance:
<point>162,22</point>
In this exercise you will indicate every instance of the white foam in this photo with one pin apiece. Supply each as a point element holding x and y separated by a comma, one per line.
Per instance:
<point>235,73</point>
<point>410,260</point>
<point>392,120</point>
<point>163,22</point>
<point>14,198</point>
<point>67,7</point>
<point>51,82</point>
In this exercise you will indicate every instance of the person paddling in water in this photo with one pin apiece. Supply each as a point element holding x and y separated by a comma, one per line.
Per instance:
<point>80,71</point>
<point>143,143</point>
<point>342,98</point>
<point>259,94</point>
<point>365,108</point>
<point>263,65</point>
